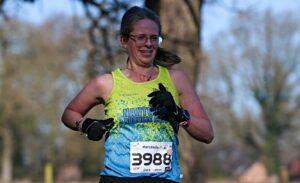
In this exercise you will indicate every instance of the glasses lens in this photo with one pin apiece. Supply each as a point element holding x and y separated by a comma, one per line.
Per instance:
<point>142,39</point>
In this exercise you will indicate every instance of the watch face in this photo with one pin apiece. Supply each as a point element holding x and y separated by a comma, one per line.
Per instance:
<point>186,115</point>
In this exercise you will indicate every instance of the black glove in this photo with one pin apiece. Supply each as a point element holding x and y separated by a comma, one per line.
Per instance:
<point>164,106</point>
<point>95,128</point>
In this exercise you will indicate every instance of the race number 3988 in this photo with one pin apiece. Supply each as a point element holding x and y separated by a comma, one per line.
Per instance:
<point>150,157</point>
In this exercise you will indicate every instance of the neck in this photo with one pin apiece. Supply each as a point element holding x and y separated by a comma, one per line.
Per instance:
<point>141,73</point>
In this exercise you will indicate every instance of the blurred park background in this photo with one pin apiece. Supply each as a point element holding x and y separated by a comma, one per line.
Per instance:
<point>247,75</point>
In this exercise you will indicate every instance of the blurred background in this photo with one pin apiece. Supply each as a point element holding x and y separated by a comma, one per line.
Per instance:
<point>243,57</point>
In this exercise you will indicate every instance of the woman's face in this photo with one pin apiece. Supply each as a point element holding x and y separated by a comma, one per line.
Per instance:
<point>143,42</point>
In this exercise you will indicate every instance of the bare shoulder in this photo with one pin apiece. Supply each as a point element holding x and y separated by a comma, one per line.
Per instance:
<point>177,73</point>
<point>180,79</point>
<point>103,85</point>
<point>103,79</point>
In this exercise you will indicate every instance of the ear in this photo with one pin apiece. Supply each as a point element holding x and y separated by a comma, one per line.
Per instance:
<point>123,42</point>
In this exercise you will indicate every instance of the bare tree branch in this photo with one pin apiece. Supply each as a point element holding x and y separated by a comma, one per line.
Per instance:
<point>103,17</point>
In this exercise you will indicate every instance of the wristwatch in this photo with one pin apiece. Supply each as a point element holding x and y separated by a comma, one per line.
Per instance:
<point>186,117</point>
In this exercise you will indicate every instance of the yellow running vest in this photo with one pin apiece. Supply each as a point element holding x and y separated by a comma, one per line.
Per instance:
<point>128,104</point>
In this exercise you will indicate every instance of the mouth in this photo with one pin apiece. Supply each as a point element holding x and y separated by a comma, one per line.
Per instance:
<point>146,52</point>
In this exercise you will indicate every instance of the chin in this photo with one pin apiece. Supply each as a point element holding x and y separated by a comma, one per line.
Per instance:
<point>147,61</point>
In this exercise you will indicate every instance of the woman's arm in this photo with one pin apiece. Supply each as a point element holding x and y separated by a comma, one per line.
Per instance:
<point>200,126</point>
<point>93,93</point>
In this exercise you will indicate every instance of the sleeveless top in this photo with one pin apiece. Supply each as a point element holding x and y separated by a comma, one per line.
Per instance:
<point>139,144</point>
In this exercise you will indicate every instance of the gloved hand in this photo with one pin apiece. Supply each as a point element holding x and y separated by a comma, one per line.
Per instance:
<point>95,128</point>
<point>164,106</point>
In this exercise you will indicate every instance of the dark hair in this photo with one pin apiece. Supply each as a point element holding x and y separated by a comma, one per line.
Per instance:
<point>132,15</point>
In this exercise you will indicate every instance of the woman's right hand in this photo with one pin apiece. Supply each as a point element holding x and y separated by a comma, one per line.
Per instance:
<point>95,129</point>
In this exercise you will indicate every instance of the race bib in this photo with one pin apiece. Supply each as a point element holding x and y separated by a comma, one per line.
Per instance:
<point>150,157</point>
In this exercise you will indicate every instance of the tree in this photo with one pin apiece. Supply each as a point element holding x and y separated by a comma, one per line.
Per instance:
<point>40,66</point>
<point>104,21</point>
<point>8,106</point>
<point>257,69</point>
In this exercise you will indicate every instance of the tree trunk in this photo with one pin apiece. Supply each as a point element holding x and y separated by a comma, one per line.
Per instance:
<point>185,40</point>
<point>271,152</point>
<point>6,111</point>
<point>6,174</point>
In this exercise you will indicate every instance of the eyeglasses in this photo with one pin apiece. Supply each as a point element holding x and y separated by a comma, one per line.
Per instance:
<point>141,39</point>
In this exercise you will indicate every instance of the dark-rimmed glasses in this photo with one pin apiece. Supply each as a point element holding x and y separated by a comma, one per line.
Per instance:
<point>141,39</point>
